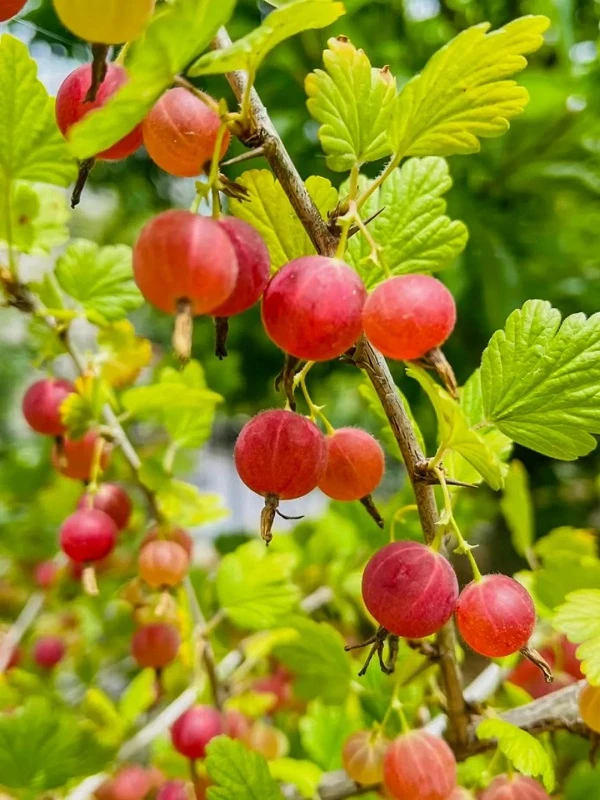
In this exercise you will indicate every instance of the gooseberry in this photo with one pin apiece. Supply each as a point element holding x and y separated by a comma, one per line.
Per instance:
<point>10,8</point>
<point>409,589</point>
<point>71,106</point>
<point>46,574</point>
<point>362,756</point>
<point>355,465</point>
<point>155,645</point>
<point>88,535</point>
<point>131,783</point>
<point>407,316</point>
<point>171,534</point>
<point>180,133</point>
<point>418,764</point>
<point>517,787</point>
<point>163,563</point>
<point>74,458</point>
<point>105,21</point>
<point>194,730</point>
<point>41,405</point>
<point>461,794</point>
<point>276,685</point>
<point>312,308</point>
<point>113,500</point>
<point>48,651</point>
<point>589,706</point>
<point>173,790</point>
<point>235,724</point>
<point>270,742</point>
<point>495,616</point>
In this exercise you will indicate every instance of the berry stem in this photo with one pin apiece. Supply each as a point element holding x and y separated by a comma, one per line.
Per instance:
<point>316,411</point>
<point>399,516</point>
<point>96,469</point>
<point>448,519</point>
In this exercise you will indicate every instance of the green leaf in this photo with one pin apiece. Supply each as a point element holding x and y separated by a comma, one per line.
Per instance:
<point>518,509</point>
<point>562,574</point>
<point>84,406</point>
<point>454,431</point>
<point>269,211</point>
<point>184,504</point>
<point>123,353</point>
<point>579,619</point>
<point>463,92</point>
<point>317,659</point>
<point>249,52</point>
<point>254,586</point>
<point>31,146</point>
<point>573,541</point>
<point>541,379</point>
<point>101,710</point>
<point>139,696</point>
<point>323,731</point>
<point>352,101</point>
<point>175,36</point>
<point>523,750</point>
<point>100,279</point>
<point>238,772</point>
<point>304,775</point>
<point>413,231</point>
<point>38,218</point>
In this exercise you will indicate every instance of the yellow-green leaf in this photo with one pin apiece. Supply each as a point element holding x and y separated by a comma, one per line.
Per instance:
<point>523,750</point>
<point>123,354</point>
<point>579,619</point>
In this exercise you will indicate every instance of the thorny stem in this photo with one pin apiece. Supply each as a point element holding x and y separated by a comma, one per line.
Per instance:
<point>464,548</point>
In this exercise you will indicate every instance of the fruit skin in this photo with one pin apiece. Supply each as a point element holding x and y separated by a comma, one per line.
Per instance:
<point>71,106</point>
<point>105,21</point>
<point>194,730</point>
<point>280,453</point>
<point>74,458</point>
<point>46,574</point>
<point>235,724</point>
<point>131,783</point>
<point>88,535</point>
<point>355,465</point>
<point>177,535</point>
<point>409,589</point>
<point>163,563</point>
<point>180,133</point>
<point>48,651</point>
<point>362,757</point>
<point>589,706</point>
<point>270,742</point>
<point>10,8</point>
<point>180,255</point>
<point>461,794</point>
<point>155,645</point>
<point>41,405</point>
<point>113,500</point>
<point>407,316</point>
<point>519,787</point>
<point>419,765</point>
<point>312,308</point>
<point>495,616</point>
<point>254,265</point>
<point>173,790</point>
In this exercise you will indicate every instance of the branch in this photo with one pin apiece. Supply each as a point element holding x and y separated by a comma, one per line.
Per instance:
<point>16,632</point>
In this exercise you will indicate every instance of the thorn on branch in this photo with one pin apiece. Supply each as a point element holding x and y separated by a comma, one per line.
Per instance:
<point>256,152</point>
<point>99,68</point>
<point>355,228</point>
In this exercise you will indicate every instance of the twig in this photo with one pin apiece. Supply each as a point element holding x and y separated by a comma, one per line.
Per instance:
<point>204,644</point>
<point>16,632</point>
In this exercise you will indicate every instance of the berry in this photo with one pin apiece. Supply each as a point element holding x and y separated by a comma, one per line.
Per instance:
<point>517,787</point>
<point>566,658</point>
<point>173,790</point>
<point>10,8</point>
<point>105,21</point>
<point>419,765</point>
<point>254,267</point>
<point>46,574</point>
<point>48,651</point>
<point>131,783</point>
<point>180,133</point>
<point>235,724</point>
<point>407,316</point>
<point>280,453</point>
<point>74,458</point>
<point>461,794</point>
<point>362,757</point>
<point>266,740</point>
<point>409,589</point>
<point>111,499</point>
<point>276,685</point>
<point>194,730</point>
<point>589,706</point>
<point>163,563</point>
<point>155,645</point>
<point>312,308</point>
<point>181,256</point>
<point>71,106</point>
<point>41,406</point>
<point>88,535</point>
<point>495,616</point>
<point>172,534</point>
<point>355,465</point>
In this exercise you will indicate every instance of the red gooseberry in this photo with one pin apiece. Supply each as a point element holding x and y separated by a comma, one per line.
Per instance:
<point>461,794</point>
<point>312,308</point>
<point>163,563</point>
<point>407,316</point>
<point>235,724</point>
<point>355,465</point>
<point>194,730</point>
<point>362,756</point>
<point>173,790</point>
<point>88,535</point>
<point>172,534</point>
<point>517,787</point>
<point>46,574</point>
<point>495,616</point>
<point>74,458</point>
<point>41,405</point>
<point>113,500</point>
<point>71,106</point>
<point>270,742</point>
<point>155,645</point>
<point>409,589</point>
<point>277,685</point>
<point>48,651</point>
<point>180,133</point>
<point>105,21</point>
<point>10,8</point>
<point>589,706</point>
<point>131,783</point>
<point>419,765</point>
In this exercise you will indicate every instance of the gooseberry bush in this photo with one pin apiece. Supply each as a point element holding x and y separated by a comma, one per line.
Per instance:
<point>139,659</point>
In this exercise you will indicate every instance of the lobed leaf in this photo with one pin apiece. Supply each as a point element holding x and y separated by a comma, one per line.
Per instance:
<point>524,751</point>
<point>517,508</point>
<point>238,772</point>
<point>184,504</point>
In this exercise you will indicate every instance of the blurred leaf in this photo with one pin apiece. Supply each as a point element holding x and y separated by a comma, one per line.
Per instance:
<point>101,710</point>
<point>563,573</point>
<point>185,505</point>
<point>367,391</point>
<point>517,508</point>
<point>123,353</point>
<point>583,782</point>
<point>540,380</point>
<point>573,541</point>
<point>238,772</point>
<point>38,219</point>
<point>524,751</point>
<point>139,696</point>
<point>249,52</point>
<point>579,619</point>
<point>304,775</point>
<point>463,92</point>
<point>323,731</point>
<point>84,406</point>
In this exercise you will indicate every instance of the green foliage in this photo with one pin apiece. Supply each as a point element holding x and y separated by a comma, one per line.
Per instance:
<point>304,775</point>
<point>184,504</point>
<point>524,751</point>
<point>239,773</point>
<point>324,730</point>
<point>579,619</point>
<point>517,508</point>
<point>36,218</point>
<point>139,696</point>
